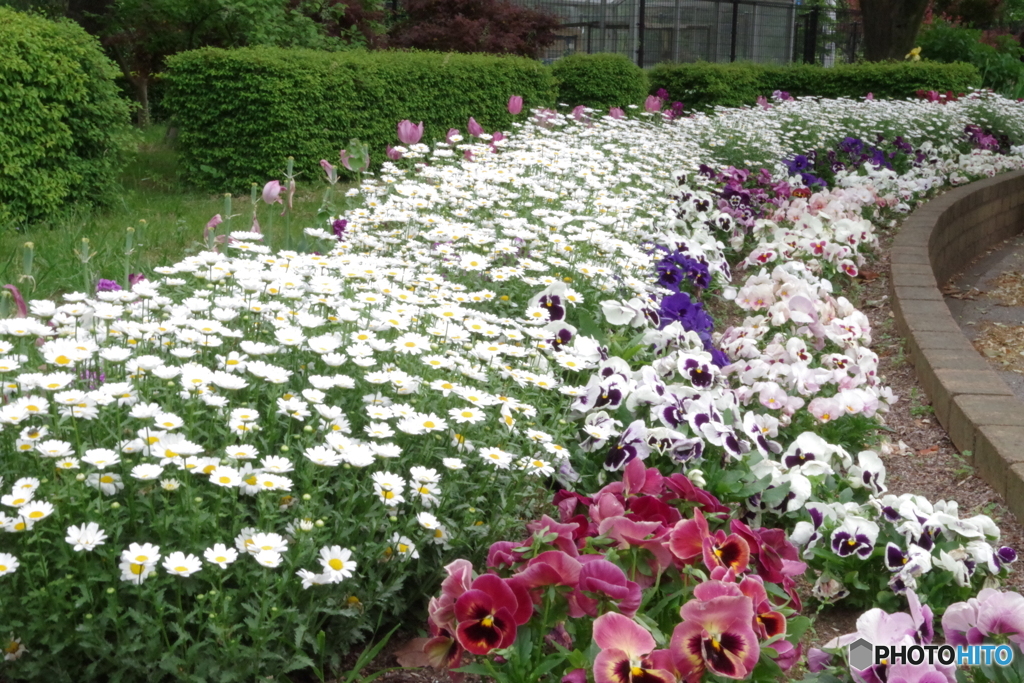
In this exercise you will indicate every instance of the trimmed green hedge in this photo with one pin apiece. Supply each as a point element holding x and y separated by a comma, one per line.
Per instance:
<point>600,81</point>
<point>64,130</point>
<point>242,112</point>
<point>702,85</point>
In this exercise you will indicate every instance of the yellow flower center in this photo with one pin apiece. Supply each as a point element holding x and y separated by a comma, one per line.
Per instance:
<point>335,564</point>
<point>137,569</point>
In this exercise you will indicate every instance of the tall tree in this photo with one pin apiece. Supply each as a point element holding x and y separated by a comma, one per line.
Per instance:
<point>890,27</point>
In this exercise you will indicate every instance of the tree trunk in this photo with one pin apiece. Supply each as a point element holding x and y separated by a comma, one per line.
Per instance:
<point>141,82</point>
<point>890,27</point>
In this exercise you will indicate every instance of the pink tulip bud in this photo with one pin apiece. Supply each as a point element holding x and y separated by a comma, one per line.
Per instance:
<point>393,153</point>
<point>515,105</point>
<point>475,129</point>
<point>498,137</point>
<point>19,301</point>
<point>211,225</point>
<point>272,192</point>
<point>332,173</point>
<point>577,112</point>
<point>467,154</point>
<point>652,104</point>
<point>616,113</point>
<point>870,96</point>
<point>408,134</point>
<point>451,132</point>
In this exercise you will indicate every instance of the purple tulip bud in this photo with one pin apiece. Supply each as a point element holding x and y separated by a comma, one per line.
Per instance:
<point>451,132</point>
<point>272,192</point>
<point>515,105</point>
<point>135,278</point>
<point>467,154</point>
<point>616,113</point>
<point>214,222</point>
<point>408,134</point>
<point>393,153</point>
<point>578,113</point>
<point>475,129</point>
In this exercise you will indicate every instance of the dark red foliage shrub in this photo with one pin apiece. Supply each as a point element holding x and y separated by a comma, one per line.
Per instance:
<point>492,26</point>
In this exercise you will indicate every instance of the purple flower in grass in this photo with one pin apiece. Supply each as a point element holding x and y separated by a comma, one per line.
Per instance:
<point>338,226</point>
<point>103,285</point>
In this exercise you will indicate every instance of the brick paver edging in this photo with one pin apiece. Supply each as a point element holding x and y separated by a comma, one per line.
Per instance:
<point>971,402</point>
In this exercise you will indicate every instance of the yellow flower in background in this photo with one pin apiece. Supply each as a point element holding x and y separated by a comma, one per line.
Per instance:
<point>914,55</point>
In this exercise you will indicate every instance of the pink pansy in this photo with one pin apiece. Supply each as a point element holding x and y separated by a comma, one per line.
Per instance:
<point>602,583</point>
<point>918,673</point>
<point>501,554</point>
<point>625,646</point>
<point>442,609</point>
<point>992,612</point>
<point>409,133</point>
<point>616,113</point>
<point>552,568</point>
<point>686,540</point>
<point>775,557</point>
<point>680,485</point>
<point>606,504</point>
<point>272,192</point>
<point>515,105</point>
<point>565,535</point>
<point>489,612</point>
<point>638,480</point>
<point>651,509</point>
<point>475,129</point>
<point>715,635</point>
<point>649,536</point>
<point>767,621</point>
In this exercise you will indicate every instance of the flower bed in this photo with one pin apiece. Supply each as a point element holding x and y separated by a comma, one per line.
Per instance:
<point>491,318</point>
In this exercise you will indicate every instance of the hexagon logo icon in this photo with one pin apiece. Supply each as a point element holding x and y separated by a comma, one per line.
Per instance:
<point>861,654</point>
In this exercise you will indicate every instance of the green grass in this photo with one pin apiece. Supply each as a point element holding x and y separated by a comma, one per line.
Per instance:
<point>168,218</point>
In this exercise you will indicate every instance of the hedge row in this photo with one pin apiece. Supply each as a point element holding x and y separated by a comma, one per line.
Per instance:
<point>242,112</point>
<point>703,85</point>
<point>600,81</point>
<point>64,130</point>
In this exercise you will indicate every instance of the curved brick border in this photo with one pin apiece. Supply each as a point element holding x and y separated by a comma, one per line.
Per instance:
<point>971,402</point>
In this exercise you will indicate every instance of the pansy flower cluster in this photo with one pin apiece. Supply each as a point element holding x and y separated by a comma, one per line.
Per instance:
<point>582,579</point>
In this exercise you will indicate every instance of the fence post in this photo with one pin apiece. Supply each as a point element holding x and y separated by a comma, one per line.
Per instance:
<point>735,26</point>
<point>641,30</point>
<point>811,36</point>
